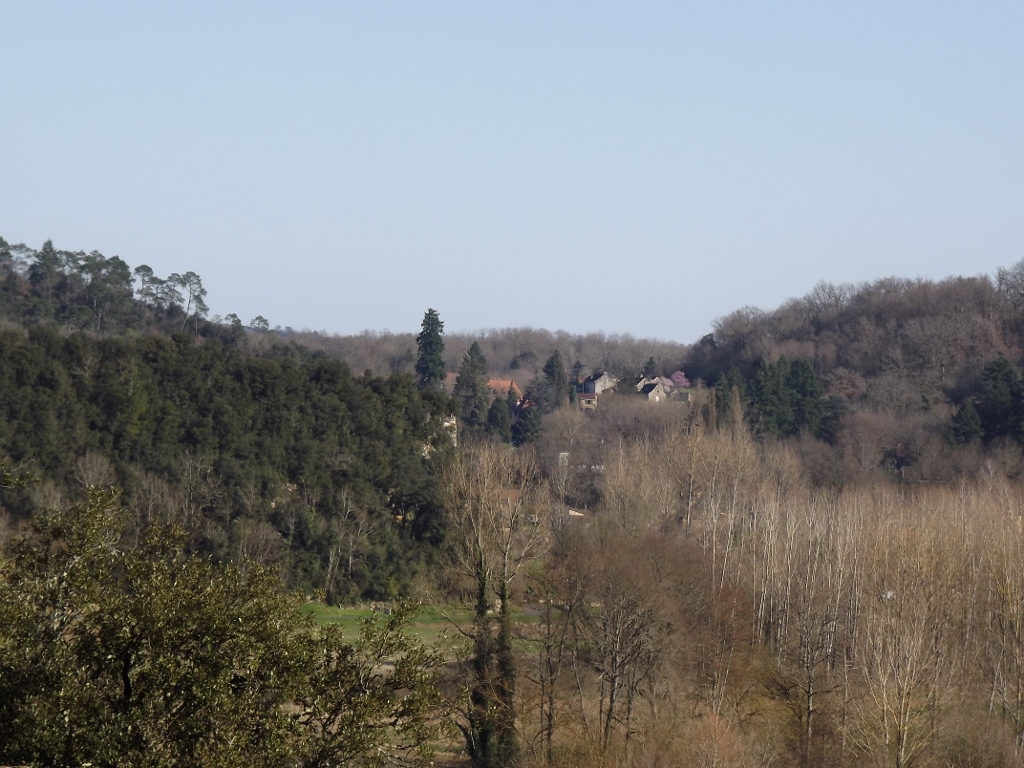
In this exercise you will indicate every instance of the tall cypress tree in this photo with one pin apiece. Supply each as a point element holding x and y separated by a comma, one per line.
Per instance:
<point>430,362</point>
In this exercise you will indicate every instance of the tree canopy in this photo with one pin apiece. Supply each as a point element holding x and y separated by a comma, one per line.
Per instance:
<point>287,457</point>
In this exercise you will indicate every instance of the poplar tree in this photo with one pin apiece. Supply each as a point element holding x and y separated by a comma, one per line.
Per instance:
<point>495,500</point>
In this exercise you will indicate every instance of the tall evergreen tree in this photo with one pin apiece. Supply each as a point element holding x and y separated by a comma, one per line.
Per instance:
<point>1001,400</point>
<point>577,372</point>
<point>786,398</point>
<point>728,382</point>
<point>526,428</point>
<point>45,269</point>
<point>806,397</point>
<point>471,390</point>
<point>430,370</point>
<point>553,389</point>
<point>499,420</point>
<point>966,424</point>
<point>771,410</point>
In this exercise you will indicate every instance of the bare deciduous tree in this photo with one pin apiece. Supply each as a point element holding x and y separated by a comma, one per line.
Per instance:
<point>498,525</point>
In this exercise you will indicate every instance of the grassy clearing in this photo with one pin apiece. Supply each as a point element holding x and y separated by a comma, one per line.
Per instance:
<point>430,624</point>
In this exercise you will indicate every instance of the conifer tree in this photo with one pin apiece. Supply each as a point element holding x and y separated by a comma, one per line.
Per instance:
<point>45,269</point>
<point>1000,403</point>
<point>806,397</point>
<point>723,394</point>
<point>526,428</point>
<point>553,389</point>
<point>430,370</point>
<point>499,420</point>
<point>966,424</point>
<point>771,410</point>
<point>471,390</point>
<point>786,398</point>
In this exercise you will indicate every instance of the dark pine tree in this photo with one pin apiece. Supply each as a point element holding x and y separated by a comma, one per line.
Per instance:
<point>471,390</point>
<point>552,391</point>
<point>771,410</point>
<point>807,398</point>
<point>729,383</point>
<point>499,420</point>
<point>527,427</point>
<point>430,370</point>
<point>966,424</point>
<point>999,402</point>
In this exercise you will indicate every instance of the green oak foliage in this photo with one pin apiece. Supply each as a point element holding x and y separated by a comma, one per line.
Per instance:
<point>296,432</point>
<point>137,656</point>
<point>118,648</point>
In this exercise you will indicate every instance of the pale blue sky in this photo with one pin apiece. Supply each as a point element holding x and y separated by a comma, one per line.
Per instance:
<point>632,168</point>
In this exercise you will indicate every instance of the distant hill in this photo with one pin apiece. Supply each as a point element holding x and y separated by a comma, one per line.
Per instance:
<point>889,378</point>
<point>898,357</point>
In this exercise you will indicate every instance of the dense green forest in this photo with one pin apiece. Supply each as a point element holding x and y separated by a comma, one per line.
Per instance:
<point>259,448</point>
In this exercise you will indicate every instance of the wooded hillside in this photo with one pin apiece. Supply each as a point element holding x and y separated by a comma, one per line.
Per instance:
<point>806,558</point>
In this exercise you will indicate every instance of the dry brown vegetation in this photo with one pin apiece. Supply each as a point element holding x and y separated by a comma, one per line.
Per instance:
<point>715,609</point>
